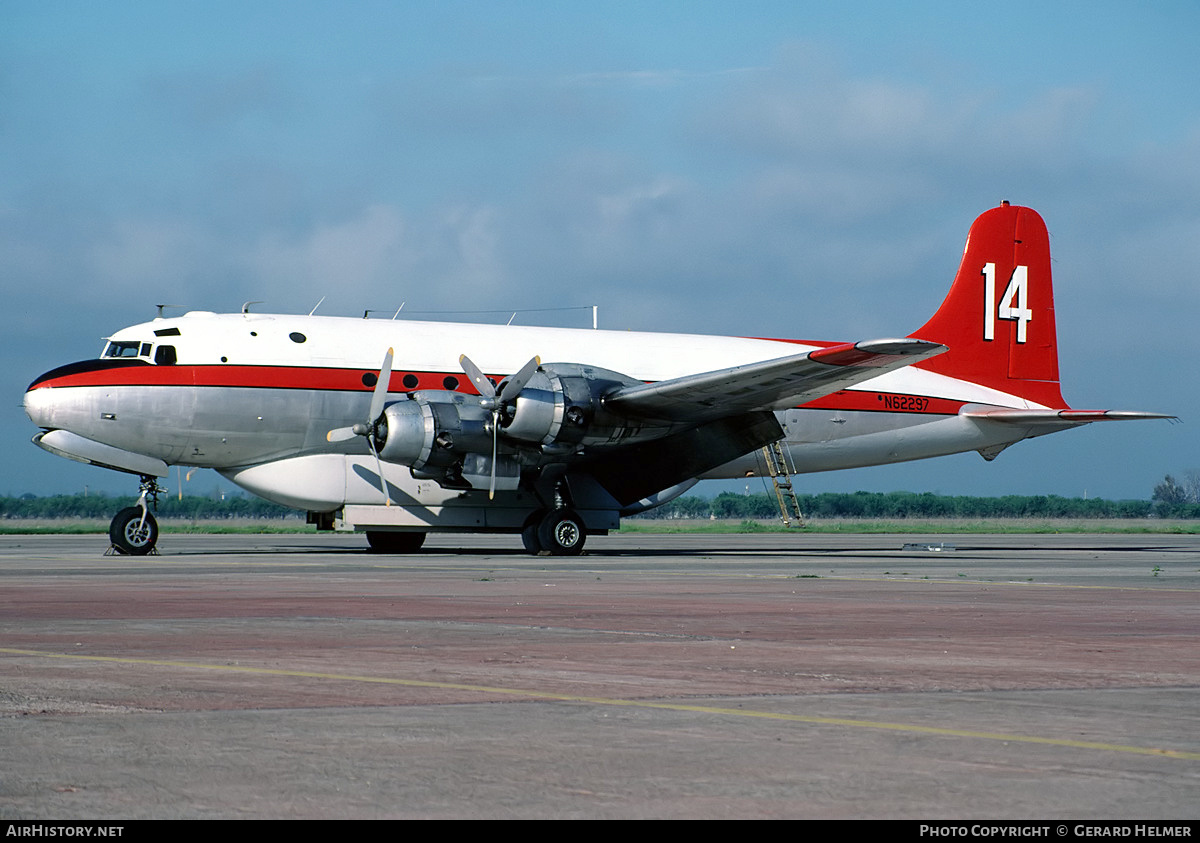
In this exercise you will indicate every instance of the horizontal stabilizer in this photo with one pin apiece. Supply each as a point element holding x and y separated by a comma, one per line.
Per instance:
<point>1059,417</point>
<point>770,384</point>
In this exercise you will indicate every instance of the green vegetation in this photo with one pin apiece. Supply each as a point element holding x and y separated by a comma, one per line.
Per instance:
<point>92,513</point>
<point>103,507</point>
<point>830,512</point>
<point>941,526</point>
<point>914,505</point>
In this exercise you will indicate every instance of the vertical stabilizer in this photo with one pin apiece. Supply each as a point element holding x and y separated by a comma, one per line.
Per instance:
<point>998,318</point>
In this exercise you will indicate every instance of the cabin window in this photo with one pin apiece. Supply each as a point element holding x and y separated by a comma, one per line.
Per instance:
<point>296,336</point>
<point>164,355</point>
<point>123,349</point>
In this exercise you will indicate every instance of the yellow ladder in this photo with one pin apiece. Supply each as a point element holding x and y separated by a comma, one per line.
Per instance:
<point>780,469</point>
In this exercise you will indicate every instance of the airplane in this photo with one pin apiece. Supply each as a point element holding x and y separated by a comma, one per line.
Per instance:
<point>463,428</point>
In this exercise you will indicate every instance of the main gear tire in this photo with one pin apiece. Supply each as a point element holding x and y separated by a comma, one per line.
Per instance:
<point>529,538</point>
<point>562,532</point>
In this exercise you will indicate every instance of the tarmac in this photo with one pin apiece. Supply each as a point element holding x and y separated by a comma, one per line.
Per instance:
<point>657,676</point>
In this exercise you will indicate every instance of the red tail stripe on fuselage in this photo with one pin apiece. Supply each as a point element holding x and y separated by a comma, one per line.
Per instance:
<point>864,401</point>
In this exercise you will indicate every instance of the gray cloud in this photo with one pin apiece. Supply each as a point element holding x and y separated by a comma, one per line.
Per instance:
<point>796,199</point>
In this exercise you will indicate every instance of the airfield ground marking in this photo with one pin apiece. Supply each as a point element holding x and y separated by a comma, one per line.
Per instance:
<point>703,709</point>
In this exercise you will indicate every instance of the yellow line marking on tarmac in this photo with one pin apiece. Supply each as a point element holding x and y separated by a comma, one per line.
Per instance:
<point>666,706</point>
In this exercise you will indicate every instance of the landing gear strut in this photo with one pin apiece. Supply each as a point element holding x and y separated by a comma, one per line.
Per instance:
<point>134,531</point>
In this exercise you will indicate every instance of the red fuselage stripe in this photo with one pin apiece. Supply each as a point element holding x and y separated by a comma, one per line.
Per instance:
<point>260,377</point>
<point>363,380</point>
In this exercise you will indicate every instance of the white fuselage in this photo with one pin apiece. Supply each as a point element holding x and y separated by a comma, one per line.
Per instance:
<point>243,393</point>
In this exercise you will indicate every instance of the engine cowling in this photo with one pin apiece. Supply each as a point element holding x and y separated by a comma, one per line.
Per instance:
<point>434,428</point>
<point>560,408</point>
<point>447,436</point>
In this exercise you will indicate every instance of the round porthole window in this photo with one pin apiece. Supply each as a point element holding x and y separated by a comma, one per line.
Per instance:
<point>296,336</point>
<point>410,381</point>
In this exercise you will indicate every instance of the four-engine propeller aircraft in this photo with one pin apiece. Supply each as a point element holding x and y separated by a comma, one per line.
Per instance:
<point>463,428</point>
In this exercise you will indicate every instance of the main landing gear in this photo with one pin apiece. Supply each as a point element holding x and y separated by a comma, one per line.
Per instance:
<point>559,531</point>
<point>134,531</point>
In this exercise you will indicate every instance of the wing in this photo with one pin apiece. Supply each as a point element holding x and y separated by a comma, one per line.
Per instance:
<point>770,384</point>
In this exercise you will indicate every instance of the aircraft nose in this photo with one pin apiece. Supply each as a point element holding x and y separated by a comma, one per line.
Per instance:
<point>39,404</point>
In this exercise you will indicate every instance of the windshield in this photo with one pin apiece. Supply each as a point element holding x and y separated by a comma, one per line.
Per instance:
<point>124,349</point>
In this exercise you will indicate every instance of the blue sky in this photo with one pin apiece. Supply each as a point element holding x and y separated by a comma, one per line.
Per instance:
<point>752,168</point>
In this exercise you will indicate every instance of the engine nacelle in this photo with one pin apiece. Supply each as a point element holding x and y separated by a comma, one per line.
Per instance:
<point>435,429</point>
<point>559,409</point>
<point>446,437</point>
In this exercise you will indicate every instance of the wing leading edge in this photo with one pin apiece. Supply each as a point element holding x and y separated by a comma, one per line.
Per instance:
<point>770,384</point>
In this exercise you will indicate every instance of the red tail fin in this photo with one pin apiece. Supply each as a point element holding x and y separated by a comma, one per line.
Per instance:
<point>998,318</point>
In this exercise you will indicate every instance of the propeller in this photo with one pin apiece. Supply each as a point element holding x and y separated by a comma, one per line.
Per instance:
<point>370,429</point>
<point>496,400</point>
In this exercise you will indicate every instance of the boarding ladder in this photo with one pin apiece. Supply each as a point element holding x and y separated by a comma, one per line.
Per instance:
<point>780,468</point>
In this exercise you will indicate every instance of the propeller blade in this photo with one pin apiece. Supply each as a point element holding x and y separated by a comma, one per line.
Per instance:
<point>341,434</point>
<point>381,389</point>
<point>378,397</point>
<point>482,384</point>
<point>387,499</point>
<point>514,385</point>
<point>487,390</point>
<point>495,435</point>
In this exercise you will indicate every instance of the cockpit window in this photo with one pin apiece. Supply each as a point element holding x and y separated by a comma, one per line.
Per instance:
<point>123,349</point>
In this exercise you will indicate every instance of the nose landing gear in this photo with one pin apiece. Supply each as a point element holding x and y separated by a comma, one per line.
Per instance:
<point>134,531</point>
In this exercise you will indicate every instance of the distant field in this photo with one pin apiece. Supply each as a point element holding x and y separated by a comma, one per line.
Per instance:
<point>49,526</point>
<point>925,525</point>
<point>33,526</point>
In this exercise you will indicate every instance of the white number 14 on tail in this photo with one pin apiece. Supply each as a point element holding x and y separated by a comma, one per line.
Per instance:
<point>1014,304</point>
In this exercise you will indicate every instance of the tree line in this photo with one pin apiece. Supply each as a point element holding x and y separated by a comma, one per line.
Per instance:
<point>1171,499</point>
<point>105,506</point>
<point>898,505</point>
<point>1185,490</point>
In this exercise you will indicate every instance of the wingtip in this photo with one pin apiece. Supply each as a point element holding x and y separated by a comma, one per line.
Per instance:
<point>876,352</point>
